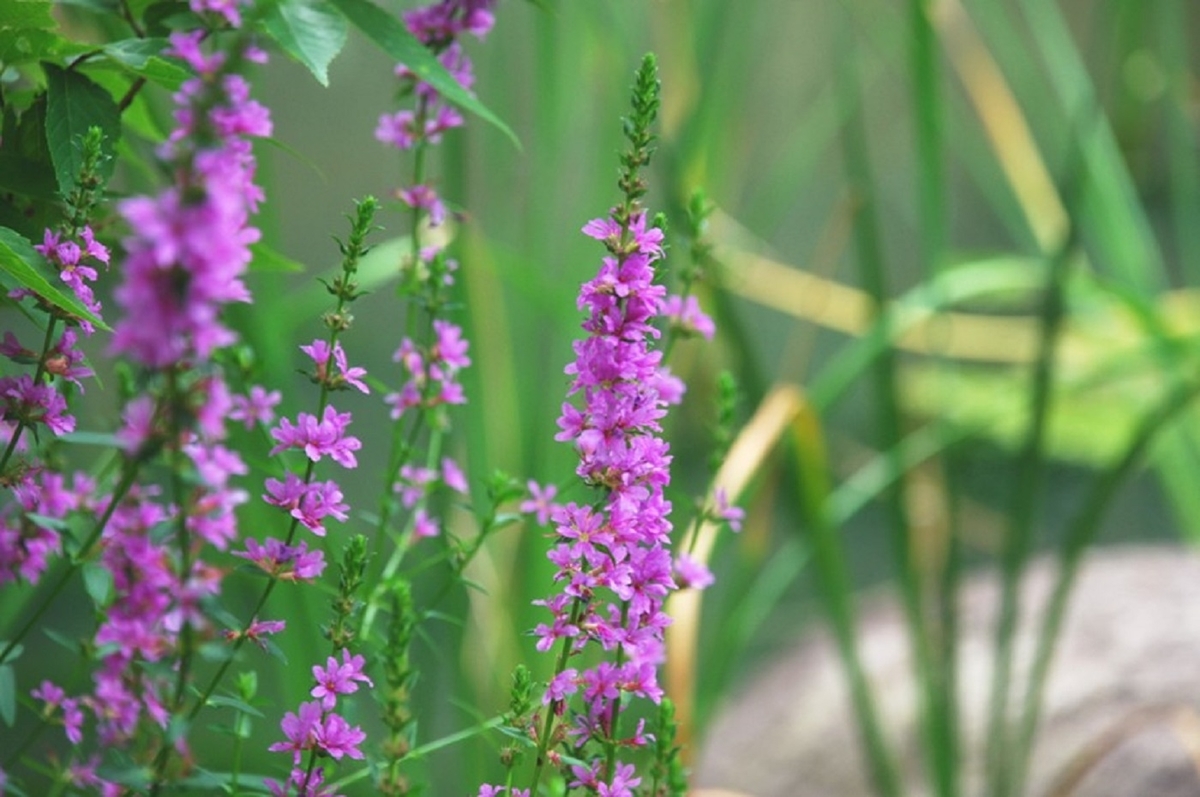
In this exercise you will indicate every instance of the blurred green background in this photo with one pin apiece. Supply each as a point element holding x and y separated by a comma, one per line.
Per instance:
<point>988,134</point>
<point>943,154</point>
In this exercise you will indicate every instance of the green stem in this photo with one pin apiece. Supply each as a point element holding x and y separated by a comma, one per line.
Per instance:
<point>939,644</point>
<point>1019,540</point>
<point>548,726</point>
<point>1079,536</point>
<point>872,270</point>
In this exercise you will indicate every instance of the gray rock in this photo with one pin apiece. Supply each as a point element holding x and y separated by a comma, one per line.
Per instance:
<point>1122,712</point>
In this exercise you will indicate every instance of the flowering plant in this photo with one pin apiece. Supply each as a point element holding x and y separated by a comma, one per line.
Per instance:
<point>158,528</point>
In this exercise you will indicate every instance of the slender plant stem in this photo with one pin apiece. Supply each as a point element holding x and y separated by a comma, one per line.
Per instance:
<point>1018,542</point>
<point>1079,536</point>
<point>837,594</point>
<point>873,277</point>
<point>548,726</point>
<point>939,642</point>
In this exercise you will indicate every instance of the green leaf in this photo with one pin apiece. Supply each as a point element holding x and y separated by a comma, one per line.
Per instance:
<point>26,45</point>
<point>264,258</point>
<point>144,57</point>
<point>102,439</point>
<point>26,14</point>
<point>74,104</point>
<point>8,695</point>
<point>22,267</point>
<point>98,582</point>
<point>234,703</point>
<point>390,35</point>
<point>23,176</point>
<point>311,31</point>
<point>13,654</point>
<point>99,6</point>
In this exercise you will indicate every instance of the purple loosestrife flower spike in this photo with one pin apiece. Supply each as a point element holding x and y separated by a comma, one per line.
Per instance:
<point>612,557</point>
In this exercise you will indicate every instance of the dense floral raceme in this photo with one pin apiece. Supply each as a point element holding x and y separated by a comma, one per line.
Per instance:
<point>189,246</point>
<point>612,557</point>
<point>185,254</point>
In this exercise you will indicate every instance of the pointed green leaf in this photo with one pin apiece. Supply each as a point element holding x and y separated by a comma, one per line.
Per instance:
<point>74,104</point>
<point>22,267</point>
<point>264,258</point>
<point>144,57</point>
<point>8,696</point>
<point>311,31</point>
<point>98,582</point>
<point>390,35</point>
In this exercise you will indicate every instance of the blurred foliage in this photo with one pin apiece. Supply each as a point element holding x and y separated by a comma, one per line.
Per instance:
<point>1006,135</point>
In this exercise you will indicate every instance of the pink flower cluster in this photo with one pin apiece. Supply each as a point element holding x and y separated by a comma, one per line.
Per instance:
<point>437,26</point>
<point>186,250</point>
<point>308,501</point>
<point>71,258</point>
<point>189,246</point>
<point>30,402</point>
<point>316,729</point>
<point>432,370</point>
<point>612,560</point>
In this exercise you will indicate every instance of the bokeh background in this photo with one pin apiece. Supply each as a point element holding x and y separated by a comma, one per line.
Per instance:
<point>974,140</point>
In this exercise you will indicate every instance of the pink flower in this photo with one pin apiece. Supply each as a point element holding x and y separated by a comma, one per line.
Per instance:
<point>423,525</point>
<point>300,729</point>
<point>692,573</point>
<point>257,407</point>
<point>326,437</point>
<point>338,679</point>
<point>686,315</point>
<point>732,515</point>
<point>286,562</point>
<point>453,477</point>
<point>321,356</point>
<point>335,737</point>
<point>540,501</point>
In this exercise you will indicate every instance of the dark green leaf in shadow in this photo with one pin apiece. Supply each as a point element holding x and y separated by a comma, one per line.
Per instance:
<point>74,104</point>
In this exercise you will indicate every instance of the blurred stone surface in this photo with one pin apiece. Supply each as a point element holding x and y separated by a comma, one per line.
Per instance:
<point>1122,711</point>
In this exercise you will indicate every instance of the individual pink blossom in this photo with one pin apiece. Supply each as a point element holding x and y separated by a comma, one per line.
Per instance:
<point>35,404</point>
<point>258,406</point>
<point>690,573</point>
<point>322,357</point>
<point>300,728</point>
<point>424,526</point>
<point>337,738</point>
<point>257,631</point>
<point>286,562</point>
<point>453,477</point>
<point>730,514</point>
<point>338,678</point>
<point>308,502</point>
<point>540,501</point>
<point>424,197</point>
<point>685,314</point>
